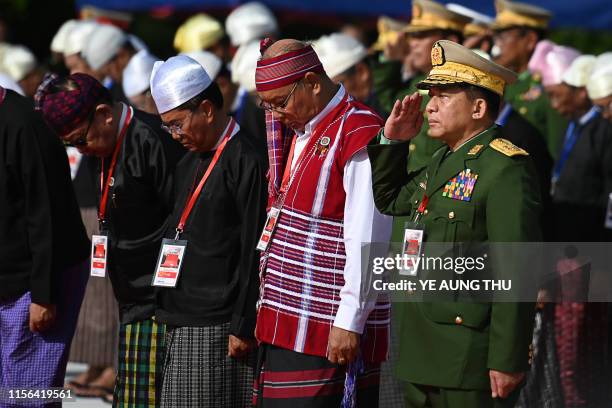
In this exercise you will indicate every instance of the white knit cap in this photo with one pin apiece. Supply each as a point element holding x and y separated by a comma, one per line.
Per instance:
<point>176,81</point>
<point>58,44</point>
<point>102,45</point>
<point>137,73</point>
<point>18,62</point>
<point>578,73</point>
<point>603,61</point>
<point>338,52</point>
<point>251,21</point>
<point>599,84</point>
<point>244,65</point>
<point>77,37</point>
<point>209,61</point>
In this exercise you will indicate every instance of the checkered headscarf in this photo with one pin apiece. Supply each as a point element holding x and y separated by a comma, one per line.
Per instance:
<point>64,110</point>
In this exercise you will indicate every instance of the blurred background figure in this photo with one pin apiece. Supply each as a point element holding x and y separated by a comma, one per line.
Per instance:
<point>477,33</point>
<point>135,81</point>
<point>518,28</point>
<point>599,85</point>
<point>77,36</point>
<point>202,32</point>
<point>250,22</point>
<point>345,61</point>
<point>245,104</point>
<point>20,64</point>
<point>108,51</point>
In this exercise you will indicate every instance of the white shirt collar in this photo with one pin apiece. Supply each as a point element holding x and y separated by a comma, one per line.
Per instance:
<point>333,103</point>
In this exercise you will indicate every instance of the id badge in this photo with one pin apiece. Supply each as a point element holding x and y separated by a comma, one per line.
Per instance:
<point>169,263</point>
<point>608,223</point>
<point>266,234</point>
<point>99,252</point>
<point>412,247</point>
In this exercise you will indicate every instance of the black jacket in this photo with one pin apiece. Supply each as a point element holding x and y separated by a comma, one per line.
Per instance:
<point>41,232</point>
<point>219,279</point>
<point>139,203</point>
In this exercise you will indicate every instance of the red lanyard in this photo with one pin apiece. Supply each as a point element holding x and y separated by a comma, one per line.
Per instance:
<point>104,186</point>
<point>194,196</point>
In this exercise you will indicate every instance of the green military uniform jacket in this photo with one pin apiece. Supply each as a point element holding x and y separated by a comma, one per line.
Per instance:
<point>389,88</point>
<point>451,344</point>
<point>528,98</point>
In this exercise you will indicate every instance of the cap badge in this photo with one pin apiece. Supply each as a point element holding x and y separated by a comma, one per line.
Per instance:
<point>437,55</point>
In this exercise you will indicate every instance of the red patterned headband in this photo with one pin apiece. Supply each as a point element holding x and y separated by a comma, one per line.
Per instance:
<point>65,110</point>
<point>285,69</point>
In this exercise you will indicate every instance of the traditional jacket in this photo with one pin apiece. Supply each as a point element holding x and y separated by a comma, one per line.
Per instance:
<point>304,291</point>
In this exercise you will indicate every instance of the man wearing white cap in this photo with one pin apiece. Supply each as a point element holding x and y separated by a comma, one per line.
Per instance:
<point>599,85</point>
<point>208,299</point>
<point>344,60</point>
<point>244,105</point>
<point>136,80</point>
<point>21,65</point>
<point>250,22</point>
<point>108,51</point>
<point>76,39</point>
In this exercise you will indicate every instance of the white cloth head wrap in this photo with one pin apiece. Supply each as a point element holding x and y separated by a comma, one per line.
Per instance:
<point>58,44</point>
<point>77,37</point>
<point>18,62</point>
<point>244,65</point>
<point>578,73</point>
<point>599,84</point>
<point>176,81</point>
<point>209,61</point>
<point>137,73</point>
<point>251,21</point>
<point>338,52</point>
<point>103,44</point>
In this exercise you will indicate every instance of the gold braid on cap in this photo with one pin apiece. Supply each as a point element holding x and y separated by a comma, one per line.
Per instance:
<point>451,72</point>
<point>508,18</point>
<point>422,21</point>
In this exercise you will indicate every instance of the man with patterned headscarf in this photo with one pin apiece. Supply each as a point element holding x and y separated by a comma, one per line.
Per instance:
<point>314,323</point>
<point>137,161</point>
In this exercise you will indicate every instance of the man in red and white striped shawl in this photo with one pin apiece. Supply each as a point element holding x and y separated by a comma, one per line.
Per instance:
<point>317,325</point>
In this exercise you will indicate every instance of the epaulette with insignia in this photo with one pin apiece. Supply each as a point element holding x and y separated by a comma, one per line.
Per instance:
<point>506,147</point>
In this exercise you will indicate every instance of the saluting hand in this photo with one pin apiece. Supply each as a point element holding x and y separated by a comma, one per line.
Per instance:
<point>502,384</point>
<point>343,346</point>
<point>42,317</point>
<point>406,118</point>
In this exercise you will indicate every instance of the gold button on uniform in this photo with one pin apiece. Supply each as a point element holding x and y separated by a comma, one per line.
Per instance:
<point>451,215</point>
<point>411,147</point>
<point>458,320</point>
<point>523,110</point>
<point>425,212</point>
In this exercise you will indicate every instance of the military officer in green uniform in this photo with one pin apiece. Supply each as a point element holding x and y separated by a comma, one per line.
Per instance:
<point>518,28</point>
<point>460,354</point>
<point>430,22</point>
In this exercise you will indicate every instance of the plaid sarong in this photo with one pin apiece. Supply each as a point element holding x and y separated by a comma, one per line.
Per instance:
<point>199,374</point>
<point>285,378</point>
<point>141,355</point>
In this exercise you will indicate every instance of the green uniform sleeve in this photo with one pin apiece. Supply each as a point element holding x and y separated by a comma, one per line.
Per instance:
<point>392,184</point>
<point>513,208</point>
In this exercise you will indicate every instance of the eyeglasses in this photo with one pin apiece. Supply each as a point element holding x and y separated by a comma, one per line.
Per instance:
<point>269,107</point>
<point>81,140</point>
<point>176,129</point>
